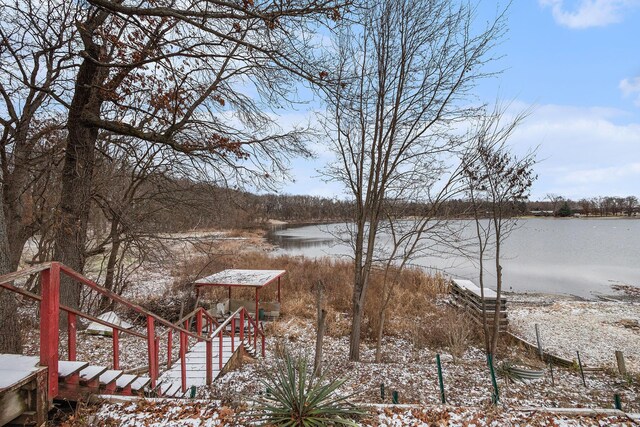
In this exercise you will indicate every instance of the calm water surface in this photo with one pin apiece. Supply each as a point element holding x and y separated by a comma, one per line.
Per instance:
<point>574,256</point>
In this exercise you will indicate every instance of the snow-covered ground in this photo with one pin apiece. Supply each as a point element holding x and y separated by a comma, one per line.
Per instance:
<point>413,373</point>
<point>594,328</point>
<point>208,414</point>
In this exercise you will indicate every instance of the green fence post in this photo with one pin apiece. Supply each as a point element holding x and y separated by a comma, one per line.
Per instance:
<point>581,370</point>
<point>442,397</point>
<point>618,403</point>
<point>395,397</point>
<point>192,393</point>
<point>382,391</point>
<point>495,396</point>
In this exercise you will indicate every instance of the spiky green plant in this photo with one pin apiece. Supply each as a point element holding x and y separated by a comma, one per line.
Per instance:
<point>296,398</point>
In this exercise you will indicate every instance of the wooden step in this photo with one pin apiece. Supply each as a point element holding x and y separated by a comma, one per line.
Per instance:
<point>174,390</point>
<point>67,368</point>
<point>108,380</point>
<point>110,376</point>
<point>140,383</point>
<point>92,372</point>
<point>125,380</point>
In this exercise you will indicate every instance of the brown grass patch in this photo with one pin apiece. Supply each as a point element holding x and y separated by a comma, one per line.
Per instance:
<point>412,307</point>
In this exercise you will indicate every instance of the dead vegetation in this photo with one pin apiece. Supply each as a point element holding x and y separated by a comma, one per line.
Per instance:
<point>417,307</point>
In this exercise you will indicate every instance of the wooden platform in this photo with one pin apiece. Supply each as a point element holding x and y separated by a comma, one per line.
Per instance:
<point>22,401</point>
<point>467,295</point>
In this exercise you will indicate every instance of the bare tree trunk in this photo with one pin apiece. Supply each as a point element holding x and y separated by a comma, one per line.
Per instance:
<point>77,172</point>
<point>16,201</point>
<point>10,334</point>
<point>322,317</point>
<point>356,322</point>
<point>485,326</point>
<point>380,335</point>
<point>109,277</point>
<point>496,313</point>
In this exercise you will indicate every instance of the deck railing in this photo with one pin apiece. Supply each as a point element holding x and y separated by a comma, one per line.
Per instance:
<point>50,308</point>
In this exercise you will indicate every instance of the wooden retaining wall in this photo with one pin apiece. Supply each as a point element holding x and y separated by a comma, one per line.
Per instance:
<point>466,295</point>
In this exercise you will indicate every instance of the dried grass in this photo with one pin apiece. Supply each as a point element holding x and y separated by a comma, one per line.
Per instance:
<point>412,306</point>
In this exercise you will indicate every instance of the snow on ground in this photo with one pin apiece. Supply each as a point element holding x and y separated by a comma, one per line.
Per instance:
<point>198,413</point>
<point>413,373</point>
<point>595,328</point>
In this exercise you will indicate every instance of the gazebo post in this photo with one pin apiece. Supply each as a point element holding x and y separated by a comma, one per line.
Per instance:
<point>279,289</point>
<point>229,296</point>
<point>257,299</point>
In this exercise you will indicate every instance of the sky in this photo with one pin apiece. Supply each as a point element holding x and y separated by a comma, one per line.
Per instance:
<point>576,64</point>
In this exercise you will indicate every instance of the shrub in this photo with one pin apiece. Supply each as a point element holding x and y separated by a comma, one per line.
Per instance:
<point>296,398</point>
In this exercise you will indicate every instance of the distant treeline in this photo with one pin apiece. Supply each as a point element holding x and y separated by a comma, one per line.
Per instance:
<point>303,208</point>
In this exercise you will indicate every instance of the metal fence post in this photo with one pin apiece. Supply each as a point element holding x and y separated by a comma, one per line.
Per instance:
<point>442,396</point>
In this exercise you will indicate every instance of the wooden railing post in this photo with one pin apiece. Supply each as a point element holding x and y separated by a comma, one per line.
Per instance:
<point>199,323</point>
<point>157,355</point>
<point>49,327</point>
<point>220,349</point>
<point>116,349</point>
<point>169,345</point>
<point>242,325</point>
<point>255,335</point>
<point>72,335</point>
<point>183,361</point>
<point>151,343</point>
<point>263,346</point>
<point>233,334</point>
<point>209,362</point>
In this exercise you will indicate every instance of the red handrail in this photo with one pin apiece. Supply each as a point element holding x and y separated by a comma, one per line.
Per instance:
<point>252,329</point>
<point>50,312</point>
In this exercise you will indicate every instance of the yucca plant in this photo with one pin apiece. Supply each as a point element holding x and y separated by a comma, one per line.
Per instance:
<point>294,397</point>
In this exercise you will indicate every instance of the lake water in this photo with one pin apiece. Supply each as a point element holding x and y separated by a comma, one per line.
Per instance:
<point>581,257</point>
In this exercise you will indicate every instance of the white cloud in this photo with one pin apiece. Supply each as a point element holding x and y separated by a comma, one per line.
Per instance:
<point>607,175</point>
<point>631,87</point>
<point>589,13</point>
<point>583,152</point>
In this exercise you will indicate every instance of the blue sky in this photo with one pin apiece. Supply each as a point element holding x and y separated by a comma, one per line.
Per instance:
<point>577,64</point>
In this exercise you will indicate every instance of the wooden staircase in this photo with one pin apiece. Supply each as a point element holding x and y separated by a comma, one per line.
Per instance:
<point>78,380</point>
<point>29,384</point>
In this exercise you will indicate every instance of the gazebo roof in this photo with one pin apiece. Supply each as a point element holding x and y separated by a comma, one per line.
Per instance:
<point>237,277</point>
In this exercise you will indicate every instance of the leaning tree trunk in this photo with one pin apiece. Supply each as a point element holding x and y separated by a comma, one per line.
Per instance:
<point>10,334</point>
<point>110,276</point>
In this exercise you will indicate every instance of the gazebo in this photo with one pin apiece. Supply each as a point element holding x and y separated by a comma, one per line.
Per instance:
<point>231,278</point>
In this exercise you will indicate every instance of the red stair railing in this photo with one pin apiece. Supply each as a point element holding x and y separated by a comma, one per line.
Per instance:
<point>50,314</point>
<point>204,320</point>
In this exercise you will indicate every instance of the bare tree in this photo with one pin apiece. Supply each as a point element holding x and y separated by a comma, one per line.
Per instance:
<point>555,201</point>
<point>407,235</point>
<point>10,334</point>
<point>35,44</point>
<point>630,204</point>
<point>177,72</point>
<point>402,75</point>
<point>497,180</point>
